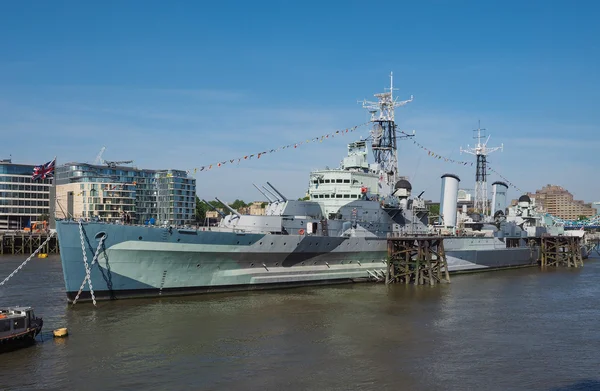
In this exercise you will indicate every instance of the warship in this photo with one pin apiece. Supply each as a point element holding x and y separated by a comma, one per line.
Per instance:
<point>338,235</point>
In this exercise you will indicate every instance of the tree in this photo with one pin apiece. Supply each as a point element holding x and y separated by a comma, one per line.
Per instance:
<point>582,217</point>
<point>307,198</point>
<point>237,204</point>
<point>434,209</point>
<point>264,204</point>
<point>201,209</point>
<point>434,212</point>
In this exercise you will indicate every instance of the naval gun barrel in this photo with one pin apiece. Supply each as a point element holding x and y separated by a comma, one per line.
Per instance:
<point>214,208</point>
<point>270,192</point>
<point>263,193</point>
<point>277,191</point>
<point>235,212</point>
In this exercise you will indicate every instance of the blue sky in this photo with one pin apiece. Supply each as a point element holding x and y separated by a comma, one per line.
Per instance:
<point>187,84</point>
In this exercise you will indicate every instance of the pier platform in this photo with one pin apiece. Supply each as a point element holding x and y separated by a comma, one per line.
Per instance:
<point>419,260</point>
<point>561,251</point>
<point>14,243</point>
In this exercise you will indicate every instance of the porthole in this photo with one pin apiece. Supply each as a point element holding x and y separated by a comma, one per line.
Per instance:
<point>284,243</point>
<point>198,265</point>
<point>179,239</point>
<point>238,242</point>
<point>302,263</point>
<point>271,243</point>
<point>140,238</point>
<point>260,243</point>
<point>251,265</point>
<point>276,263</point>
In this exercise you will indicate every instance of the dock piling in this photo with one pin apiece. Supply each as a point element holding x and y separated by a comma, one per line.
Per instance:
<point>416,260</point>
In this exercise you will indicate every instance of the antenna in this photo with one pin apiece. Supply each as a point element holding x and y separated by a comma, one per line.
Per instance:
<point>481,151</point>
<point>383,133</point>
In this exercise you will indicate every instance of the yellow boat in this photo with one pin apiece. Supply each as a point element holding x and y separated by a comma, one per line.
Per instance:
<point>62,332</point>
<point>42,255</point>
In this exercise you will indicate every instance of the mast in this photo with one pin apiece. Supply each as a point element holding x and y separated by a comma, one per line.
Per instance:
<point>481,151</point>
<point>383,133</point>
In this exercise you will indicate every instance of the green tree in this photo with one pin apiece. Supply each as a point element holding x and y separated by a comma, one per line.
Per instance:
<point>582,217</point>
<point>237,204</point>
<point>307,198</point>
<point>201,209</point>
<point>264,204</point>
<point>434,212</point>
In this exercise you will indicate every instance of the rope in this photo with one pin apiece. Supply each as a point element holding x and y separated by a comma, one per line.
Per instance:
<point>28,259</point>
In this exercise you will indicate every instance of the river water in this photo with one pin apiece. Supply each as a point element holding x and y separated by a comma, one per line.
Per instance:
<point>521,329</point>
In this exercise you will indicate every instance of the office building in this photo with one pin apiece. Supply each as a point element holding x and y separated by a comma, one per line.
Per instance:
<point>23,201</point>
<point>559,202</point>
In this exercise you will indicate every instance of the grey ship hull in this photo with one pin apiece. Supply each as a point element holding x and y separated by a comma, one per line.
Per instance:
<point>138,261</point>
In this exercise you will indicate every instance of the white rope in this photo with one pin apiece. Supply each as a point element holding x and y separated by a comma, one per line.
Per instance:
<point>28,259</point>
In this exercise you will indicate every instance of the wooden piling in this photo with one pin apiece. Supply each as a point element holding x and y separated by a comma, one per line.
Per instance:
<point>561,251</point>
<point>416,260</point>
<point>16,243</point>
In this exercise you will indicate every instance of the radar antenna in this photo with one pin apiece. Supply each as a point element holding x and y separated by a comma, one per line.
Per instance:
<point>481,150</point>
<point>383,134</point>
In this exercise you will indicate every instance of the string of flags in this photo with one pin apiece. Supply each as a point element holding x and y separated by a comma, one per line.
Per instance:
<point>505,180</point>
<point>435,155</point>
<point>438,156</point>
<point>294,145</point>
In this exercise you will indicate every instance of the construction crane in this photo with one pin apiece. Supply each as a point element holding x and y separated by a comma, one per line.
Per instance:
<point>115,164</point>
<point>99,157</point>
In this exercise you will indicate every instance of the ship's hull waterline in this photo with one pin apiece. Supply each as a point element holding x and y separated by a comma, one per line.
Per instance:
<point>139,261</point>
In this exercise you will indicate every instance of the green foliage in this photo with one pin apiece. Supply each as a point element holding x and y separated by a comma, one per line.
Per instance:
<point>307,198</point>
<point>237,204</point>
<point>202,208</point>
<point>264,204</point>
<point>582,217</point>
<point>434,209</point>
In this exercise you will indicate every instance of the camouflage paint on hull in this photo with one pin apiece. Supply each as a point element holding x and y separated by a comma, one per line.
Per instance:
<point>139,261</point>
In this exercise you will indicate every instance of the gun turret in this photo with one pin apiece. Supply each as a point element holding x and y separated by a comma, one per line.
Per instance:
<point>270,192</point>
<point>235,212</point>
<point>263,193</point>
<point>214,208</point>
<point>277,191</point>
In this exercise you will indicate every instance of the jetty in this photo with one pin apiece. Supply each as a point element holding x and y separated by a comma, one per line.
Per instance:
<point>419,260</point>
<point>560,251</point>
<point>15,243</point>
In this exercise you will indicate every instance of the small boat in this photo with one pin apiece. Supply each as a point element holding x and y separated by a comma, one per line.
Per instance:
<point>18,327</point>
